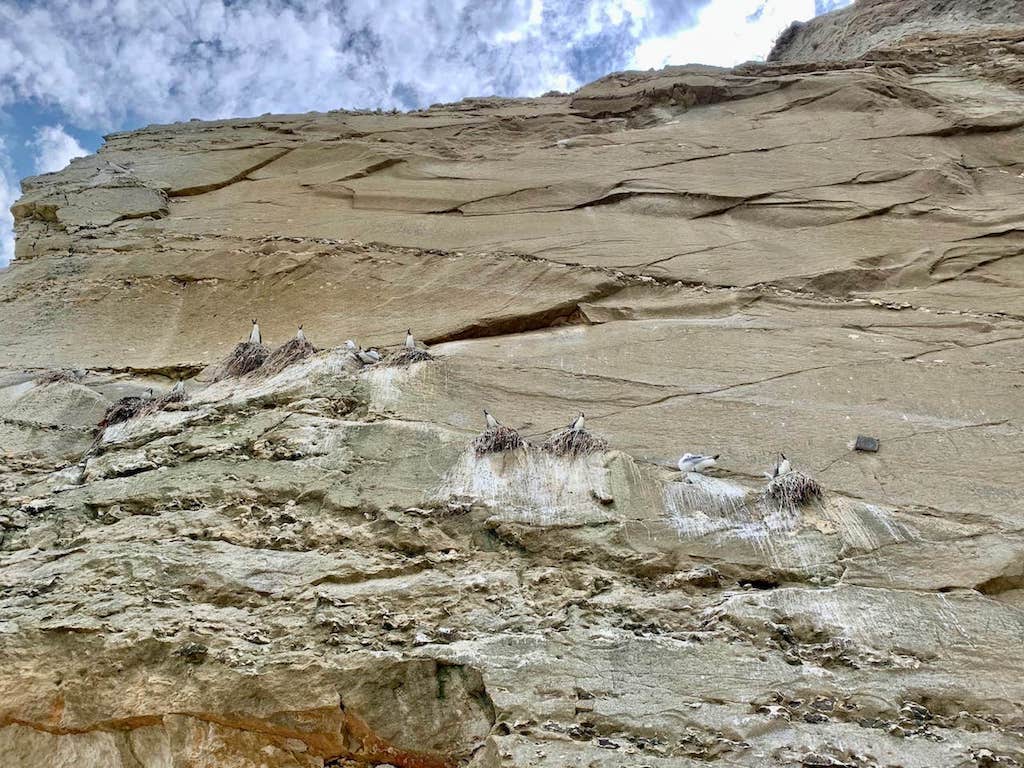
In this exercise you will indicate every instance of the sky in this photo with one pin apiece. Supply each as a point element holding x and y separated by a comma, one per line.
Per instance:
<point>74,70</point>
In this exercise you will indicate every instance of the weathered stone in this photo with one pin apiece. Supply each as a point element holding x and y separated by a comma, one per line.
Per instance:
<point>314,567</point>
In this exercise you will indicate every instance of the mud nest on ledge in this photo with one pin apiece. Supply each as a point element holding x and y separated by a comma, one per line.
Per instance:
<point>575,442</point>
<point>793,489</point>
<point>244,358</point>
<point>496,440</point>
<point>287,354</point>
<point>406,356</point>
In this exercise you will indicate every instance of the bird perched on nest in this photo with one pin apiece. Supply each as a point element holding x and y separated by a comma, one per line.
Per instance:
<point>245,358</point>
<point>496,438</point>
<point>695,462</point>
<point>409,353</point>
<point>575,440</point>
<point>782,467</point>
<point>292,351</point>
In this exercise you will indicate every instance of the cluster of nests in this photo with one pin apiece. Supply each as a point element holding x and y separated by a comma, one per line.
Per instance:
<point>573,440</point>
<point>253,356</point>
<point>249,357</point>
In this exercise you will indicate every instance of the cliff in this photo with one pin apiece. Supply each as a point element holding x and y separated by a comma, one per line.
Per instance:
<point>314,568</point>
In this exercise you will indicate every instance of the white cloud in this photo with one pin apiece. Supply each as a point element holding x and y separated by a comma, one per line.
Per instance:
<point>9,192</point>
<point>55,148</point>
<point>728,32</point>
<point>105,62</point>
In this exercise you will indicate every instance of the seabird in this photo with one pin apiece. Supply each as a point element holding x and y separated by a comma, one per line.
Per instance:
<point>351,346</point>
<point>254,337</point>
<point>300,335</point>
<point>368,356</point>
<point>410,342</point>
<point>578,424</point>
<point>695,462</point>
<point>782,466</point>
<point>492,423</point>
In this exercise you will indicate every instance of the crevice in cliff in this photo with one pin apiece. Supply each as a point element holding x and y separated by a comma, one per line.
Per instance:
<point>212,187</point>
<point>564,313</point>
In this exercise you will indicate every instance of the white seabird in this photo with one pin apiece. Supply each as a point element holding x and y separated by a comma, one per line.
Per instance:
<point>254,335</point>
<point>492,423</point>
<point>782,466</point>
<point>410,342</point>
<point>300,335</point>
<point>351,346</point>
<point>696,462</point>
<point>578,424</point>
<point>368,356</point>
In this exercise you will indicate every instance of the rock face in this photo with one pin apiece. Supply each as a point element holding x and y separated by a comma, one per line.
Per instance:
<point>314,568</point>
<point>867,25</point>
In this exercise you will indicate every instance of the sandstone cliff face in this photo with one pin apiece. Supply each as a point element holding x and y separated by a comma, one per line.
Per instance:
<point>313,568</point>
<point>867,25</point>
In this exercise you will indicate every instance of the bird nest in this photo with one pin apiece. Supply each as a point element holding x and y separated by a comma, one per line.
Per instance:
<point>176,394</point>
<point>406,356</point>
<point>496,440</point>
<point>793,489</point>
<point>575,442</point>
<point>52,377</point>
<point>124,409</point>
<point>244,358</point>
<point>287,354</point>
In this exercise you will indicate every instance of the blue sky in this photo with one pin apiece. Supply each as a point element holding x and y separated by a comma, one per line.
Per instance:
<point>72,70</point>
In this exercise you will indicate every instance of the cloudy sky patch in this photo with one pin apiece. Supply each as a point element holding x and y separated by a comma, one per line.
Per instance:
<point>71,70</point>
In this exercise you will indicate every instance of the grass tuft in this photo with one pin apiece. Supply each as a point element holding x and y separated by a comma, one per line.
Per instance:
<point>496,440</point>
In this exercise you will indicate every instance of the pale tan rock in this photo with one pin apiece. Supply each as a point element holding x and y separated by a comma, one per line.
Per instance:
<point>314,568</point>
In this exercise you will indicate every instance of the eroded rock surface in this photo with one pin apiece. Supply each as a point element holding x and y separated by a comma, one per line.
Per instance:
<point>315,569</point>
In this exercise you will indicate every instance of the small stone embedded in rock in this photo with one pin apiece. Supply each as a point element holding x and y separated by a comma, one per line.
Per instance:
<point>866,444</point>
